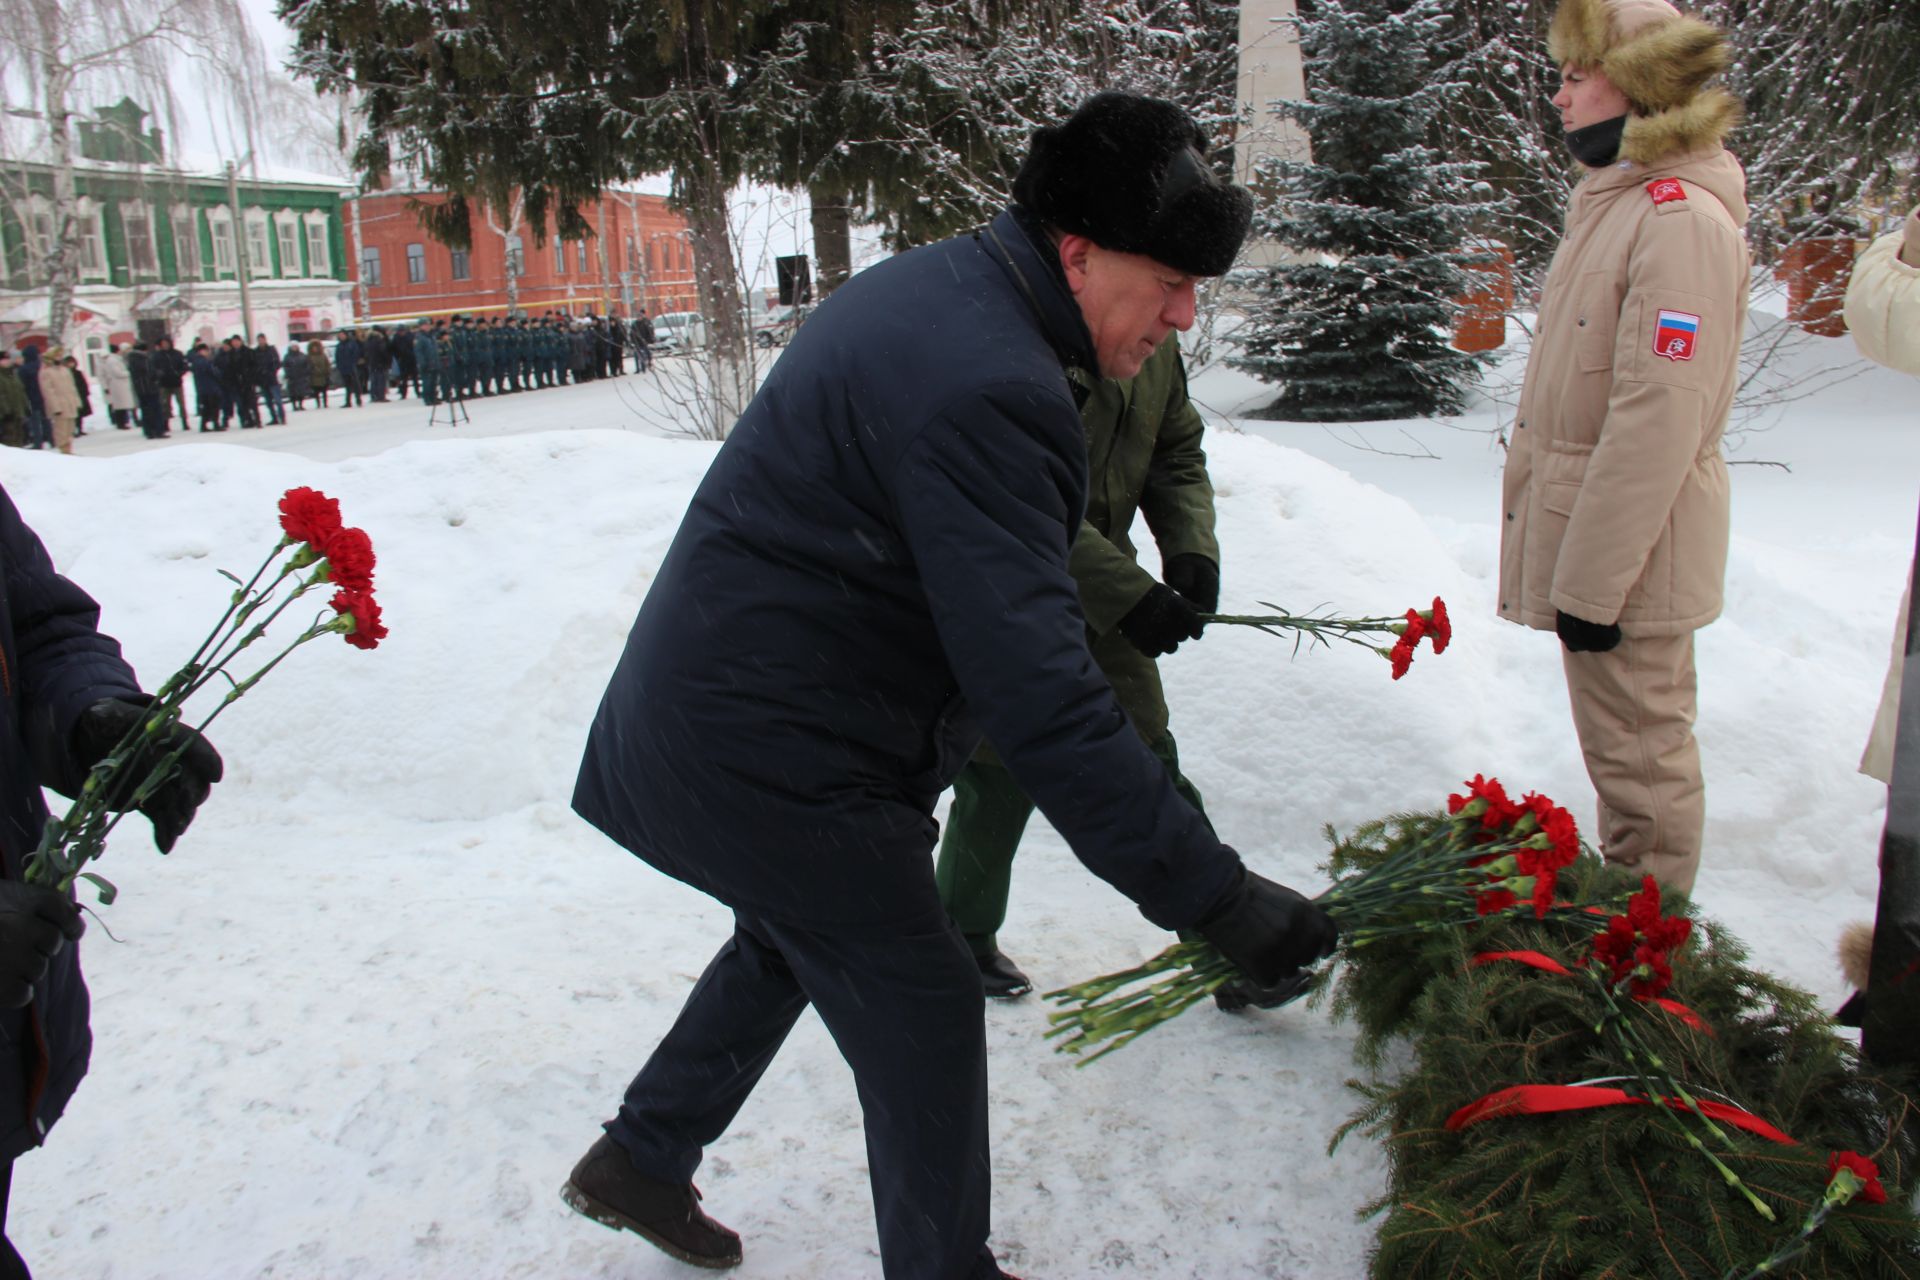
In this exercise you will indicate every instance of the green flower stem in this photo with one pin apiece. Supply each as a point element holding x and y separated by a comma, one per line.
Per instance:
<point>240,598</point>
<point>1318,630</point>
<point>1657,1082</point>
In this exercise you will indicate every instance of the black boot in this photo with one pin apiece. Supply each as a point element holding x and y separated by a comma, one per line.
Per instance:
<point>606,1187</point>
<point>999,978</point>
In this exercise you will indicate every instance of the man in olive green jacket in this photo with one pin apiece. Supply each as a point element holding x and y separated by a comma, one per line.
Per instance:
<point>1143,455</point>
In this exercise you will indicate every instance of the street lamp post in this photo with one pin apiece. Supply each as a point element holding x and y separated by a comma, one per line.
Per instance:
<point>240,249</point>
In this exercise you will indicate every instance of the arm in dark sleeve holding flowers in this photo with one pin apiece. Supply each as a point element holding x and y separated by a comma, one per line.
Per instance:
<point>986,496</point>
<point>63,662</point>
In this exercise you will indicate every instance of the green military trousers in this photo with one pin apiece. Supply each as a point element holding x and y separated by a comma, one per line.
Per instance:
<point>990,811</point>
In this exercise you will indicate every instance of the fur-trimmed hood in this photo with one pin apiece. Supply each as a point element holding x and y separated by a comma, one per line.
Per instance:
<point>1661,60</point>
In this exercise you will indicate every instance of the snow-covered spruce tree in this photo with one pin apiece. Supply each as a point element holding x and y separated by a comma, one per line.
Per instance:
<point>1357,327</point>
<point>943,112</point>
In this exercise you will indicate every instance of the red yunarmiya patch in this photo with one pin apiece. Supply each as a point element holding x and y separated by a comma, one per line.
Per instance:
<point>1665,189</point>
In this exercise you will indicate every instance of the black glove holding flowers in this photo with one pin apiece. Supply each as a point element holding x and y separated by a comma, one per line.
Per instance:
<point>1195,577</point>
<point>171,806</point>
<point>1161,620</point>
<point>1270,932</point>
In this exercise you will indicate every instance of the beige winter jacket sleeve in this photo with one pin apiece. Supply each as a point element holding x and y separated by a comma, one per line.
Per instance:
<point>1685,291</point>
<point>1883,301</point>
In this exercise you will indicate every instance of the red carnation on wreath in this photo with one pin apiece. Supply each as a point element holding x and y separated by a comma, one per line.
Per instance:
<point>1635,947</point>
<point>308,515</point>
<point>1864,1172</point>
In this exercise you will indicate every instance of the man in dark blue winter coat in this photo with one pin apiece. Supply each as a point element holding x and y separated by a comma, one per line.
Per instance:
<point>66,698</point>
<point>872,573</point>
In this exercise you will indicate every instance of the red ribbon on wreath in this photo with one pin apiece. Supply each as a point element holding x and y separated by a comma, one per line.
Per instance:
<point>1545,1099</point>
<point>1546,963</point>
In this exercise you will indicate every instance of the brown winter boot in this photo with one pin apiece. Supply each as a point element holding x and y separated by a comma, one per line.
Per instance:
<point>606,1187</point>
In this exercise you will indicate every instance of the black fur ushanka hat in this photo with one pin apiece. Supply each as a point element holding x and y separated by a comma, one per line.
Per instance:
<point>1130,174</point>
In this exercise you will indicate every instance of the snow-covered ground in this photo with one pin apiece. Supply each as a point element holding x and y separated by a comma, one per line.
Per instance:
<point>364,1019</point>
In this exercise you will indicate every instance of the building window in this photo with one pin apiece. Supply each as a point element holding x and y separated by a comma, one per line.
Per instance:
<point>142,258</point>
<point>220,223</point>
<point>259,251</point>
<point>516,256</point>
<point>416,264</point>
<point>559,256</point>
<point>582,242</point>
<point>186,243</point>
<point>633,258</point>
<point>93,240</point>
<point>287,231</point>
<point>370,264</point>
<point>319,259</point>
<point>462,264</point>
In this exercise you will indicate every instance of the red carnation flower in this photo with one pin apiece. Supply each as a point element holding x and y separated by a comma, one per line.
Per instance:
<point>1499,812</point>
<point>1862,1168</point>
<point>1636,947</point>
<point>367,631</point>
<point>1442,626</point>
<point>350,560</point>
<point>307,515</point>
<point>1402,654</point>
<point>1492,901</point>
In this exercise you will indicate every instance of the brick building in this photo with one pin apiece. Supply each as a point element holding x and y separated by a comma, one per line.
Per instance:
<point>640,255</point>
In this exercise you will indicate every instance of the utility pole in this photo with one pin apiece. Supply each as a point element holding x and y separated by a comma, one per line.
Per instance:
<point>240,251</point>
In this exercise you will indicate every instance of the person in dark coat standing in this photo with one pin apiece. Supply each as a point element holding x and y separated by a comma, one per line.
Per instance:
<point>266,376</point>
<point>146,392</point>
<point>238,384</point>
<point>39,426</point>
<point>86,395</point>
<point>377,355</point>
<point>299,371</point>
<point>348,356</point>
<point>207,389</point>
<point>170,368</point>
<point>872,573</point>
<point>67,700</point>
<point>405,359</point>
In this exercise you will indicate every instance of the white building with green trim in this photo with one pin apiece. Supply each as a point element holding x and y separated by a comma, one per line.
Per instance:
<point>162,244</point>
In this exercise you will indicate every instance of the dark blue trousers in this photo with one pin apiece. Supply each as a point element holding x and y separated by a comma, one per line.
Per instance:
<point>907,1013</point>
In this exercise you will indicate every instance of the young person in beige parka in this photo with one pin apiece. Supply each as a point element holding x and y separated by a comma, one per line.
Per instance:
<point>1615,492</point>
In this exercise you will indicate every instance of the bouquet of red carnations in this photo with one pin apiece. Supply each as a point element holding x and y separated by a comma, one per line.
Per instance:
<point>316,552</point>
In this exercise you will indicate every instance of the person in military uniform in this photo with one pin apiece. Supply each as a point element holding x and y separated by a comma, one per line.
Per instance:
<point>426,359</point>
<point>461,340</point>
<point>1145,455</point>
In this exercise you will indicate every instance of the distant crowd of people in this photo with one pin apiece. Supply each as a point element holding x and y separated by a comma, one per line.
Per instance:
<point>45,398</point>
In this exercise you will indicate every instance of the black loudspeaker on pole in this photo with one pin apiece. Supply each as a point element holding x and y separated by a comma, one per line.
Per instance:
<point>796,279</point>
<point>1890,1029</point>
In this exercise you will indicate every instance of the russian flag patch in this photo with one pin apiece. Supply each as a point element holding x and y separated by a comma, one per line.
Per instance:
<point>1674,334</point>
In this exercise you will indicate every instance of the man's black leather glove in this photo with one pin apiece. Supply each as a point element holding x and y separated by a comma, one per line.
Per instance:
<point>171,806</point>
<point>1195,577</point>
<point>1241,993</point>
<point>1269,931</point>
<point>1161,621</point>
<point>1581,636</point>
<point>35,922</point>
